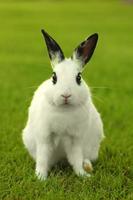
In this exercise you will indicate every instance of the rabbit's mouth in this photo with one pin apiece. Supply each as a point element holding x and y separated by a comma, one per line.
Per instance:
<point>66,103</point>
<point>63,102</point>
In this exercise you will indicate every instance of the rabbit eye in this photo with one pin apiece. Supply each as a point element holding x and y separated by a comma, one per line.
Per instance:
<point>78,78</point>
<point>54,78</point>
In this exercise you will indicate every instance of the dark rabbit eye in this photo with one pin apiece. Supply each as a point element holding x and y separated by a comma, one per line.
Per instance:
<point>78,78</point>
<point>54,78</point>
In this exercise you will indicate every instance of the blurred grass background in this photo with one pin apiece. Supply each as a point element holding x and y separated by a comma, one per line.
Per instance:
<point>24,64</point>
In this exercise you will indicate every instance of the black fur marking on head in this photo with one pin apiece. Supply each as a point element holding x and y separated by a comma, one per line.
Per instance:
<point>52,46</point>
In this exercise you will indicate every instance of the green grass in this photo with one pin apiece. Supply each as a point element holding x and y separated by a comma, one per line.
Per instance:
<point>24,64</point>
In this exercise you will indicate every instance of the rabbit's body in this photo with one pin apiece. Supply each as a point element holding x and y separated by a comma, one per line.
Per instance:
<point>63,122</point>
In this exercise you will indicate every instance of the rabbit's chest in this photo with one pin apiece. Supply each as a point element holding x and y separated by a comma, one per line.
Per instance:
<point>68,124</point>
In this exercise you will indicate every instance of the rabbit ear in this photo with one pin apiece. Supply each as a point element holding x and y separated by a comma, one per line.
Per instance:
<point>55,53</point>
<point>84,51</point>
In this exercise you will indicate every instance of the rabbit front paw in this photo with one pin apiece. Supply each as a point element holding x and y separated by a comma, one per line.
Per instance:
<point>41,174</point>
<point>82,173</point>
<point>87,166</point>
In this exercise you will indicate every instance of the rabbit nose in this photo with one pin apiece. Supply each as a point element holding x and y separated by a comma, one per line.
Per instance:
<point>66,96</point>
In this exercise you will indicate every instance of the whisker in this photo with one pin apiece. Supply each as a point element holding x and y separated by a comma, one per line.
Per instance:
<point>97,98</point>
<point>32,87</point>
<point>100,87</point>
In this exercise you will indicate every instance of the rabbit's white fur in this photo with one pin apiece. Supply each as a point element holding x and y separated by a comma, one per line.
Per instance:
<point>56,130</point>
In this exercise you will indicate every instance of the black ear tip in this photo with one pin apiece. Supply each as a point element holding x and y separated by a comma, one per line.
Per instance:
<point>93,36</point>
<point>45,34</point>
<point>42,30</point>
<point>96,35</point>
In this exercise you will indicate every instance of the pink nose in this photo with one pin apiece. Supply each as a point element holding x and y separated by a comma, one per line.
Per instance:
<point>66,96</point>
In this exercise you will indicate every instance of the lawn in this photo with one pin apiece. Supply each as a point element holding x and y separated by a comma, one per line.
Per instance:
<point>24,64</point>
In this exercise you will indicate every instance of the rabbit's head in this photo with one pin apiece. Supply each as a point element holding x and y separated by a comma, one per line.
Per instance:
<point>66,86</point>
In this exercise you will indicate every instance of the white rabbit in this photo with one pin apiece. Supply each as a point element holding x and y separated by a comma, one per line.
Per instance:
<point>63,122</point>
